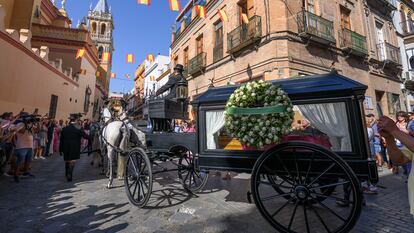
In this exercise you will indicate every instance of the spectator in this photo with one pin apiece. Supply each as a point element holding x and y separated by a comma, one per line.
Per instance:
<point>376,140</point>
<point>403,155</point>
<point>190,127</point>
<point>402,124</point>
<point>50,128</point>
<point>366,187</point>
<point>42,137</point>
<point>24,146</point>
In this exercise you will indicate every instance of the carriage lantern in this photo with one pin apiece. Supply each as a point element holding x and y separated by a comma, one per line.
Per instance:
<point>182,90</point>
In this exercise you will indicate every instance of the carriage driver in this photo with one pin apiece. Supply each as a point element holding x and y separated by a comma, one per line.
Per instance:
<point>172,84</point>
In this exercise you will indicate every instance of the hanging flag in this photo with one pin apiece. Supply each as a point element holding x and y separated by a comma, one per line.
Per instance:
<point>130,58</point>
<point>201,11</point>
<point>127,76</point>
<point>106,57</point>
<point>82,72</point>
<point>97,74</point>
<point>223,16</point>
<point>172,56</point>
<point>80,53</point>
<point>175,5</point>
<point>144,2</point>
<point>150,57</point>
<point>245,19</point>
<point>113,75</point>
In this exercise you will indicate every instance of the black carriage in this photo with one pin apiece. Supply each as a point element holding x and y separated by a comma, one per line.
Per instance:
<point>310,182</point>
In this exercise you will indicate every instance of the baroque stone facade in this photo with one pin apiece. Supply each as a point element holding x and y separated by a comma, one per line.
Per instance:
<point>285,39</point>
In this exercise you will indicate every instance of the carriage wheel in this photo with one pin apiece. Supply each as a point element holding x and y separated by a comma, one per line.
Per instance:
<point>192,178</point>
<point>302,206</point>
<point>138,177</point>
<point>283,184</point>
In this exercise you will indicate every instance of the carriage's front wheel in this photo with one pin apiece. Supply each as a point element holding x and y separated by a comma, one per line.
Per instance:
<point>192,178</point>
<point>303,206</point>
<point>138,177</point>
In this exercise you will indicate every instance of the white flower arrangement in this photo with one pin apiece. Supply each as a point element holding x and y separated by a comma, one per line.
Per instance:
<point>260,125</point>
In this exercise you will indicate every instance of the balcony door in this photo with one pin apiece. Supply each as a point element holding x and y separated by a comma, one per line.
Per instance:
<point>380,41</point>
<point>199,44</point>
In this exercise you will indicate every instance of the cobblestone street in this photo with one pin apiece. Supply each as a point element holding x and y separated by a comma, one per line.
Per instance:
<point>49,204</point>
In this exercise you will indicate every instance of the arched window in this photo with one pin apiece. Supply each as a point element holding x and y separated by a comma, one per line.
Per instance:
<point>103,29</point>
<point>100,52</point>
<point>403,20</point>
<point>86,102</point>
<point>94,27</point>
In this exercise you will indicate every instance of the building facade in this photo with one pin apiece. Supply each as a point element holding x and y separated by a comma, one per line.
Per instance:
<point>404,22</point>
<point>41,70</point>
<point>284,39</point>
<point>153,70</point>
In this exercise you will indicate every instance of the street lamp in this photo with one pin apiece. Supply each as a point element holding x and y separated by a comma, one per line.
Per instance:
<point>182,90</point>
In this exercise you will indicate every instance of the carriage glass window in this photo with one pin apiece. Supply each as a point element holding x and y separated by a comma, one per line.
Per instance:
<point>325,124</point>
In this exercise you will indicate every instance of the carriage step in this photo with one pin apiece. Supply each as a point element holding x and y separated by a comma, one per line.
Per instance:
<point>249,197</point>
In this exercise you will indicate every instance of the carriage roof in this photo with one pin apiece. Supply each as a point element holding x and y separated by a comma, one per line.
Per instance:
<point>306,87</point>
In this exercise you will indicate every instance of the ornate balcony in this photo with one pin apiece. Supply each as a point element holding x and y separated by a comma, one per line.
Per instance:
<point>47,31</point>
<point>353,43</point>
<point>177,33</point>
<point>245,34</point>
<point>385,6</point>
<point>218,52</point>
<point>100,37</point>
<point>388,53</point>
<point>197,64</point>
<point>316,28</point>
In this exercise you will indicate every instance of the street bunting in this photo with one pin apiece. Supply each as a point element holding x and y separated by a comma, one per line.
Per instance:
<point>113,75</point>
<point>127,76</point>
<point>97,74</point>
<point>175,5</point>
<point>150,57</point>
<point>130,58</point>
<point>144,2</point>
<point>245,19</point>
<point>106,57</point>
<point>223,16</point>
<point>173,56</point>
<point>80,53</point>
<point>201,11</point>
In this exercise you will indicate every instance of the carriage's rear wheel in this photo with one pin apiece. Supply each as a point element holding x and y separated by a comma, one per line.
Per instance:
<point>192,178</point>
<point>302,206</point>
<point>138,177</point>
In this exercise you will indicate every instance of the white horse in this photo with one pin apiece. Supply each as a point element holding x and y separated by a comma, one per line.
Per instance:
<point>116,135</point>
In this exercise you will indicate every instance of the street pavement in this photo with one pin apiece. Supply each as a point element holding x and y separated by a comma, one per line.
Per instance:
<point>47,203</point>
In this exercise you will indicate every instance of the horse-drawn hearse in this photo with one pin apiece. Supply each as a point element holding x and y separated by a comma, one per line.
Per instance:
<point>309,182</point>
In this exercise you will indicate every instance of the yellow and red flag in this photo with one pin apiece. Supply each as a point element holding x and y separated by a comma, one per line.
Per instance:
<point>150,57</point>
<point>106,57</point>
<point>113,75</point>
<point>175,5</point>
<point>83,72</point>
<point>144,2</point>
<point>223,16</point>
<point>130,58</point>
<point>80,53</point>
<point>127,76</point>
<point>245,19</point>
<point>201,11</point>
<point>97,74</point>
<point>172,56</point>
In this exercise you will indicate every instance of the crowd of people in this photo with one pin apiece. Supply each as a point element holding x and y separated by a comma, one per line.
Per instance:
<point>185,126</point>
<point>25,137</point>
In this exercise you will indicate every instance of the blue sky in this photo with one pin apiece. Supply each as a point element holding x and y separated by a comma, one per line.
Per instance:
<point>138,30</point>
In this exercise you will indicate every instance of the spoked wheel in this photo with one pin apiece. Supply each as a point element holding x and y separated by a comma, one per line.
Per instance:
<point>192,178</point>
<point>138,177</point>
<point>299,204</point>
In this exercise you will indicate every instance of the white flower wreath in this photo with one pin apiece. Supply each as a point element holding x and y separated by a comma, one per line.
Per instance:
<point>258,114</point>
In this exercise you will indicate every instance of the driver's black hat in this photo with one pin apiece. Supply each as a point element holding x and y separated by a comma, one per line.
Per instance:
<point>179,67</point>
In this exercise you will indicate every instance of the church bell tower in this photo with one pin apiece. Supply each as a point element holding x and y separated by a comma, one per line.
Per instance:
<point>101,27</point>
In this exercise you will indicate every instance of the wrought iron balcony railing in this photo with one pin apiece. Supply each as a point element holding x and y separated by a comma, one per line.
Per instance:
<point>218,52</point>
<point>388,53</point>
<point>185,72</point>
<point>177,33</point>
<point>245,34</point>
<point>353,42</point>
<point>315,27</point>
<point>407,27</point>
<point>197,64</point>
